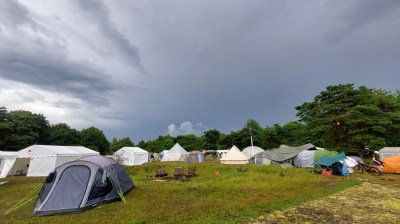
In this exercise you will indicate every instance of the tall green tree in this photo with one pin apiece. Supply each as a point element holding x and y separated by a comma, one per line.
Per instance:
<point>62,134</point>
<point>294,133</point>
<point>190,142</point>
<point>160,144</point>
<point>141,144</point>
<point>211,139</point>
<point>27,129</point>
<point>350,119</point>
<point>117,144</point>
<point>6,127</point>
<point>94,138</point>
<point>252,130</point>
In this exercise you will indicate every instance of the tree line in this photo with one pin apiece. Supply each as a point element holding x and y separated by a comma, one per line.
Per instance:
<point>341,118</point>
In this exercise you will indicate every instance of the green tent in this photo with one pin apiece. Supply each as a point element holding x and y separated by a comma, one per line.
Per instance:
<point>321,153</point>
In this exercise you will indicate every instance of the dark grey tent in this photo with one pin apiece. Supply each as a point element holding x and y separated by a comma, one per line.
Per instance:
<point>82,184</point>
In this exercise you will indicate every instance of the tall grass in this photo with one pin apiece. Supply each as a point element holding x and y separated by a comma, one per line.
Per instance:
<point>231,197</point>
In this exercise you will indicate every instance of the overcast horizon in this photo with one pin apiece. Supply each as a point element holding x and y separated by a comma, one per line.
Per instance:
<point>143,68</point>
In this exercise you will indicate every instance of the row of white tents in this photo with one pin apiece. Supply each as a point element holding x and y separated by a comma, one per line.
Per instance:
<point>40,160</point>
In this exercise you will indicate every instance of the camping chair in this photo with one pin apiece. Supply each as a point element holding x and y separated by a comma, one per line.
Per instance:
<point>178,171</point>
<point>160,172</point>
<point>192,171</point>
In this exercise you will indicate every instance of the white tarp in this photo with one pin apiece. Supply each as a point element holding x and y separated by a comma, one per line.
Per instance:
<point>130,156</point>
<point>42,159</point>
<point>234,156</point>
<point>176,153</point>
<point>7,161</point>
<point>251,151</point>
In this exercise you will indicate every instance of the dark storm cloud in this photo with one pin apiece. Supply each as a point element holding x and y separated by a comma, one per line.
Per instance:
<point>99,15</point>
<point>34,55</point>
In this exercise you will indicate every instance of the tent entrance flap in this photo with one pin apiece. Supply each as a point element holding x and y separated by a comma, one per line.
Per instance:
<point>70,189</point>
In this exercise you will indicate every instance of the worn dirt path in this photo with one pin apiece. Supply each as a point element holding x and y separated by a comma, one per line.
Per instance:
<point>365,203</point>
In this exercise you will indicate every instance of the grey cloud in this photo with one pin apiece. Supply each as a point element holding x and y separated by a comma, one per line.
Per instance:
<point>99,14</point>
<point>36,56</point>
<point>13,13</point>
<point>354,15</point>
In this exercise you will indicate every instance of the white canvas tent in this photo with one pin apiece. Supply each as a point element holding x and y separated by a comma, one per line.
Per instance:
<point>389,152</point>
<point>130,156</point>
<point>176,153</point>
<point>234,156</point>
<point>7,160</point>
<point>251,151</point>
<point>304,159</point>
<point>40,160</point>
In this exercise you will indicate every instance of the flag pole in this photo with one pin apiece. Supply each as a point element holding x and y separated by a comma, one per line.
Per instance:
<point>251,139</point>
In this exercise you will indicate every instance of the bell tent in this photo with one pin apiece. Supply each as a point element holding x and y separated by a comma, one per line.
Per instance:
<point>130,156</point>
<point>176,153</point>
<point>251,151</point>
<point>234,156</point>
<point>82,184</point>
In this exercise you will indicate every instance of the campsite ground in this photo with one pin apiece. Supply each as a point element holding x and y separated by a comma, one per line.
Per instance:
<point>365,203</point>
<point>263,194</point>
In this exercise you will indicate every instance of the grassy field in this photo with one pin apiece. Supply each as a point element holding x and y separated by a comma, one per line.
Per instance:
<point>232,197</point>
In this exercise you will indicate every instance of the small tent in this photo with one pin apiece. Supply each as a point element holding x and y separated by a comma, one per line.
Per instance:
<point>82,184</point>
<point>196,157</point>
<point>40,160</point>
<point>262,158</point>
<point>130,156</point>
<point>304,158</point>
<point>329,160</point>
<point>251,151</point>
<point>391,164</point>
<point>234,156</point>
<point>322,152</point>
<point>7,161</point>
<point>162,153</point>
<point>389,152</point>
<point>176,153</point>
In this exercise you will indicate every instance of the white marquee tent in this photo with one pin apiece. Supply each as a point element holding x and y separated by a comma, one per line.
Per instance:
<point>40,160</point>
<point>130,156</point>
<point>251,151</point>
<point>234,156</point>
<point>7,160</point>
<point>176,153</point>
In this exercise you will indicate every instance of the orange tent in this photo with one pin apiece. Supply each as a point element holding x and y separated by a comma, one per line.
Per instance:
<point>391,164</point>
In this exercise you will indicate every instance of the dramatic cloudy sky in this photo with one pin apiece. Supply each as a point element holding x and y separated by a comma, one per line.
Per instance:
<point>147,68</point>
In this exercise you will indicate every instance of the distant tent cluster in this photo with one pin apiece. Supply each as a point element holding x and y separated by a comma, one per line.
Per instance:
<point>178,154</point>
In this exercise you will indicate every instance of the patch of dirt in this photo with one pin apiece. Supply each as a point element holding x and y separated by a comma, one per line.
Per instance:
<point>365,203</point>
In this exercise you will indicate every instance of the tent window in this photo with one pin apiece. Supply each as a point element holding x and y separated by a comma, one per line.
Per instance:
<point>47,185</point>
<point>101,185</point>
